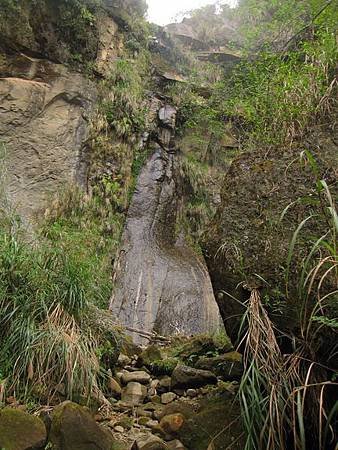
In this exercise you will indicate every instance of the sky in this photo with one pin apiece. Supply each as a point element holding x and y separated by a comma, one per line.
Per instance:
<point>163,12</point>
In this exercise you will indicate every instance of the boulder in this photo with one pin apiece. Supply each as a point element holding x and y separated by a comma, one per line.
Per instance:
<point>228,366</point>
<point>74,428</point>
<point>134,393</point>
<point>185,377</point>
<point>150,442</point>
<point>149,356</point>
<point>114,387</point>
<point>21,431</point>
<point>172,423</point>
<point>175,445</point>
<point>138,376</point>
<point>123,360</point>
<point>168,397</point>
<point>216,416</point>
<point>165,383</point>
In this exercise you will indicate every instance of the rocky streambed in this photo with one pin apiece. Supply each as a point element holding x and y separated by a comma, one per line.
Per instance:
<point>154,401</point>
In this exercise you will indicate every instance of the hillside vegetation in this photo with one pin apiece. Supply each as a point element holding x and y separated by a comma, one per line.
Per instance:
<point>257,140</point>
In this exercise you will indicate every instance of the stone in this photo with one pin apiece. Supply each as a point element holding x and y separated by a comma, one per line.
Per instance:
<point>204,419</point>
<point>175,445</point>
<point>168,397</point>
<point>114,387</point>
<point>73,428</point>
<point>144,413</point>
<point>165,383</point>
<point>192,393</point>
<point>119,429</point>
<point>155,399</point>
<point>172,423</point>
<point>185,377</point>
<point>153,424</point>
<point>143,421</point>
<point>228,366</point>
<point>123,360</point>
<point>21,431</point>
<point>151,354</point>
<point>167,116</point>
<point>120,374</point>
<point>152,392</point>
<point>154,384</point>
<point>150,443</point>
<point>125,422</point>
<point>134,393</point>
<point>138,376</point>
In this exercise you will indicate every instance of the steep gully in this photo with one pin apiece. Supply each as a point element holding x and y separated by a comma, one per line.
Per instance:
<point>161,284</point>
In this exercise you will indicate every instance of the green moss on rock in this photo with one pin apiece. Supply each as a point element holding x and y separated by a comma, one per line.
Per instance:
<point>21,431</point>
<point>74,428</point>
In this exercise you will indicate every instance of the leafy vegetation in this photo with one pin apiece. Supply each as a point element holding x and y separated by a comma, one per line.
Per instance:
<point>125,107</point>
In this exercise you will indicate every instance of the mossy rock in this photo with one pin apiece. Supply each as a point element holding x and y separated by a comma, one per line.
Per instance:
<point>215,417</point>
<point>202,345</point>
<point>149,356</point>
<point>164,366</point>
<point>74,428</point>
<point>21,431</point>
<point>228,366</point>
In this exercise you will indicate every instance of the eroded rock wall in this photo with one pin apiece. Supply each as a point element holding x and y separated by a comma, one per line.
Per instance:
<point>162,285</point>
<point>44,127</point>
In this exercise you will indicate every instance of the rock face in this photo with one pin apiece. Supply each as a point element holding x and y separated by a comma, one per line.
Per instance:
<point>44,128</point>
<point>256,190</point>
<point>161,283</point>
<point>73,428</point>
<point>21,431</point>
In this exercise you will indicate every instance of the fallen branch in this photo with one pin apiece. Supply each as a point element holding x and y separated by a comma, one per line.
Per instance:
<point>152,336</point>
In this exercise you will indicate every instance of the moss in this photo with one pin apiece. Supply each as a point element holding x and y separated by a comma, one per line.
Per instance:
<point>20,430</point>
<point>216,417</point>
<point>164,366</point>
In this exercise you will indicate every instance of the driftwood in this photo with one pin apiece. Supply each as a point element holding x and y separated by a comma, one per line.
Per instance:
<point>148,335</point>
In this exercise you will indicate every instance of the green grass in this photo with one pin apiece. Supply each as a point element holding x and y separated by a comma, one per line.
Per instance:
<point>286,399</point>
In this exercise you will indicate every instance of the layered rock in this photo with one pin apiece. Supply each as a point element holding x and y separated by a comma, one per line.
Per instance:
<point>44,116</point>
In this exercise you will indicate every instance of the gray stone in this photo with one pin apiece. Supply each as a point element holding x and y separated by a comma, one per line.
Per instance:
<point>138,376</point>
<point>119,429</point>
<point>184,377</point>
<point>123,360</point>
<point>167,116</point>
<point>153,424</point>
<point>134,393</point>
<point>165,383</point>
<point>114,387</point>
<point>191,393</point>
<point>175,445</point>
<point>168,397</point>
<point>150,443</point>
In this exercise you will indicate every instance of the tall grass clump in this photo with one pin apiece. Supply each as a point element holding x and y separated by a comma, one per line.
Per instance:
<point>51,332</point>
<point>42,302</point>
<point>287,399</point>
